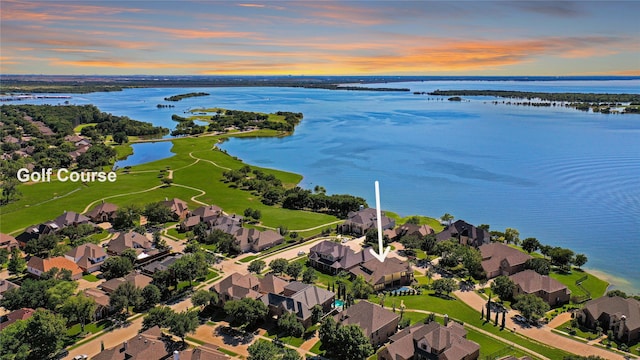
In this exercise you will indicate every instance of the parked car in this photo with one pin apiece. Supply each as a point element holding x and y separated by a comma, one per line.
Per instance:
<point>301,253</point>
<point>521,319</point>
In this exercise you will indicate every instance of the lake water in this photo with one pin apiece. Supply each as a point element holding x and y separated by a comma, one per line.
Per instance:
<point>146,152</point>
<point>566,177</point>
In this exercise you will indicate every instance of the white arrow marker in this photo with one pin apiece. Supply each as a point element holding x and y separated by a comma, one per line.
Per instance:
<point>382,254</point>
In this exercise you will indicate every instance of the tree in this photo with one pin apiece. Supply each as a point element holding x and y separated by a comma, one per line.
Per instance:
<point>13,344</point>
<point>158,316</point>
<point>183,323</point>
<point>545,250</point>
<point>116,266</point>
<point>17,263</point>
<point>290,354</point>
<point>411,242</point>
<point>245,312</point>
<point>294,269</point>
<point>531,306</point>
<point>448,218</point>
<point>126,217</point>
<point>541,266</point>
<point>350,344</point>
<point>42,245</point>
<point>511,235</point>
<point>58,293</point>
<point>151,295</point>
<point>360,288</point>
<point>120,137</point>
<point>309,275</point>
<point>158,213</point>
<point>617,292</point>
<point>561,257</point>
<point>289,325</point>
<point>79,308</point>
<point>190,267</point>
<point>124,296</point>
<point>201,298</point>
<point>4,256</point>
<point>328,331</point>
<point>262,350</point>
<point>429,243</point>
<point>279,266</point>
<point>45,333</point>
<point>316,313</point>
<point>444,285</point>
<point>503,287</point>
<point>579,260</point>
<point>256,266</point>
<point>530,244</point>
<point>159,242</point>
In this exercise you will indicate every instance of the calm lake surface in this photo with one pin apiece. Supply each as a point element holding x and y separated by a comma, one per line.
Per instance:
<point>566,177</point>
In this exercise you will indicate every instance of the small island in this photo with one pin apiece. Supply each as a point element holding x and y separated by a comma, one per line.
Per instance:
<point>184,96</point>
<point>604,103</point>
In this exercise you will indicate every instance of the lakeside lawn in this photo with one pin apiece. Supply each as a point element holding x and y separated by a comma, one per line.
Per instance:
<point>594,285</point>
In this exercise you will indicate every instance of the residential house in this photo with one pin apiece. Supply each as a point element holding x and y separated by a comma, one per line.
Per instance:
<point>376,322</point>
<point>613,313</point>
<point>300,299</point>
<point>552,291</point>
<point>6,285</point>
<point>136,278</point>
<point>20,314</point>
<point>103,306</point>
<point>388,273</point>
<point>359,222</point>
<point>431,341</point>
<point>333,257</point>
<point>272,284</point>
<point>38,266</point>
<point>35,231</point>
<point>104,212</point>
<point>202,352</point>
<point>500,259</point>
<point>179,208</point>
<point>465,233</point>
<point>139,243</point>
<point>8,242</point>
<point>71,218</point>
<point>255,240</point>
<point>237,286</point>
<point>161,264</point>
<point>147,345</point>
<point>409,229</point>
<point>89,257</point>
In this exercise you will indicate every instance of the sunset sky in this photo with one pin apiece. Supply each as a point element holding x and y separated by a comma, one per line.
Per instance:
<point>320,37</point>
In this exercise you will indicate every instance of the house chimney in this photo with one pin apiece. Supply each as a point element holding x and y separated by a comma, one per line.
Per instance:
<point>446,319</point>
<point>623,321</point>
<point>176,355</point>
<point>125,345</point>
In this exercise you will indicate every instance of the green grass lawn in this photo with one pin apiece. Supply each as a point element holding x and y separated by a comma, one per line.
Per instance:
<point>249,258</point>
<point>91,278</point>
<point>123,151</point>
<point>316,348</point>
<point>584,333</point>
<point>293,341</point>
<point>596,286</point>
<point>176,234</point>
<point>89,328</point>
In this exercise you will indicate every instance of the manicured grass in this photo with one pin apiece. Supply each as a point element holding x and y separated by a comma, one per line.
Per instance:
<point>89,328</point>
<point>91,278</point>
<point>189,338</point>
<point>596,286</point>
<point>228,352</point>
<point>249,258</point>
<point>293,341</point>
<point>123,151</point>
<point>79,128</point>
<point>489,345</point>
<point>176,234</point>
<point>44,201</point>
<point>584,333</point>
<point>316,348</point>
<point>424,220</point>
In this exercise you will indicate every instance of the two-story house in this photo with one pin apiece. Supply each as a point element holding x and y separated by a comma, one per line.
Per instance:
<point>376,322</point>
<point>89,257</point>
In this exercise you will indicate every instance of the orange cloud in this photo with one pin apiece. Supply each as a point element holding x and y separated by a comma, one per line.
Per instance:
<point>335,12</point>
<point>191,33</point>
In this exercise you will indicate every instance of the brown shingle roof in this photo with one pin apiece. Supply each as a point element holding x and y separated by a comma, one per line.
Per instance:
<point>616,306</point>
<point>238,286</point>
<point>494,253</point>
<point>130,240</point>
<point>532,282</point>
<point>368,316</point>
<point>449,340</point>
<point>375,271</point>
<point>85,254</point>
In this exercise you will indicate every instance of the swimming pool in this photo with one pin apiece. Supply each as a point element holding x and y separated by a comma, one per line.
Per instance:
<point>338,303</point>
<point>402,289</point>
